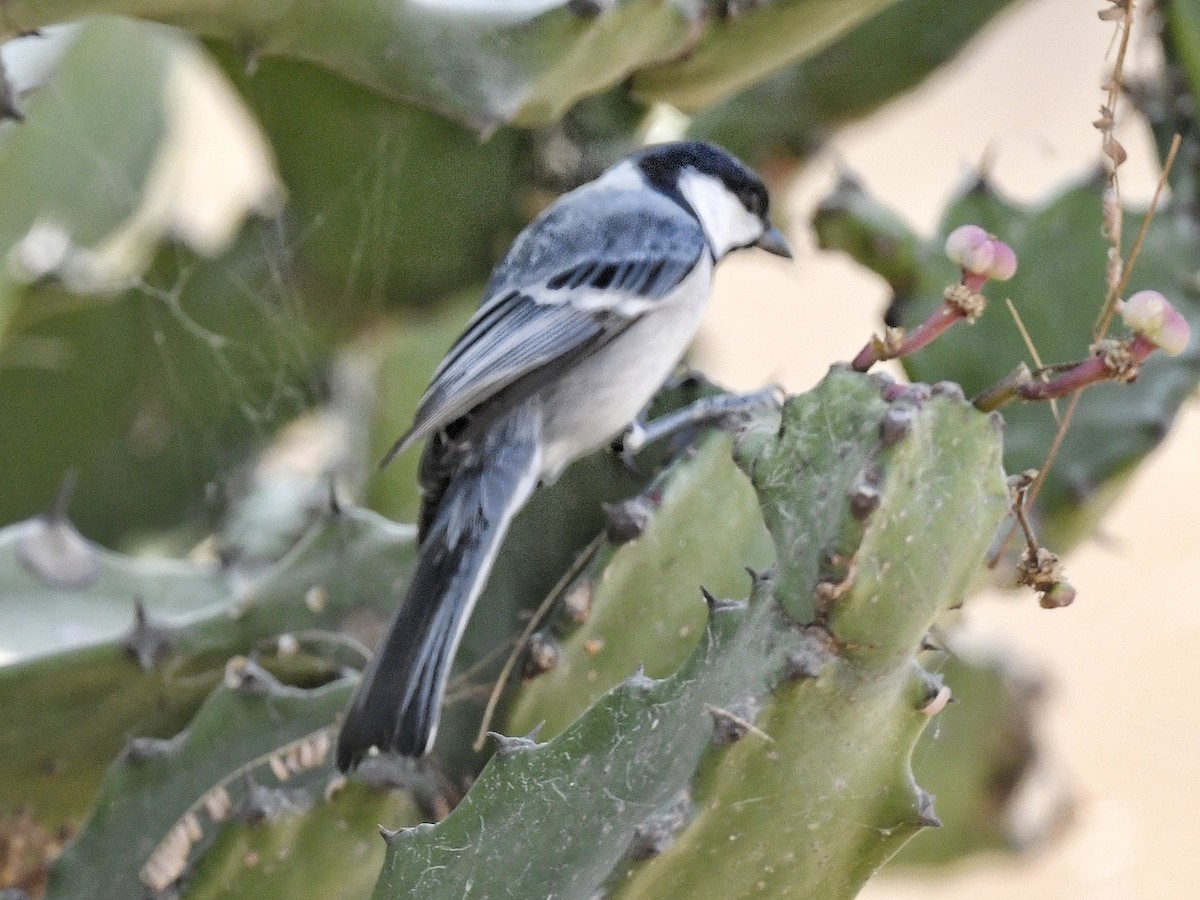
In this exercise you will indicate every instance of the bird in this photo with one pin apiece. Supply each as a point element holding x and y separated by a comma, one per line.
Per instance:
<point>580,324</point>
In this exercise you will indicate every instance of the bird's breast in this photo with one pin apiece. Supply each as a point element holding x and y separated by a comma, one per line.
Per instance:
<point>595,401</point>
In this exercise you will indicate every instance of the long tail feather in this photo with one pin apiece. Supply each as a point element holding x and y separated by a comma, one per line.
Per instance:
<point>397,704</point>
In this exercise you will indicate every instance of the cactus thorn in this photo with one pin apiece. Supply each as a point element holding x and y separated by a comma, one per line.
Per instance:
<point>639,679</point>
<point>811,656</point>
<point>718,606</point>
<point>655,833</point>
<point>917,393</point>
<point>864,494</point>
<point>627,519</point>
<point>543,652</point>
<point>54,551</point>
<point>577,602</point>
<point>333,501</point>
<point>260,803</point>
<point>245,675</point>
<point>931,689</point>
<point>951,389</point>
<point>590,9</point>
<point>896,424</point>
<point>731,725</point>
<point>140,749</point>
<point>760,580</point>
<point>938,702</point>
<point>925,815</point>
<point>148,641</point>
<point>882,380</point>
<point>507,746</point>
<point>391,835</point>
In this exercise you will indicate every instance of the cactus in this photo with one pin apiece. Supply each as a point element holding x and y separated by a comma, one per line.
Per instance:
<point>1057,292</point>
<point>163,798</point>
<point>744,724</point>
<point>790,113</point>
<point>838,482</point>
<point>219,340</point>
<point>983,759</point>
<point>730,764</point>
<point>525,64</point>
<point>148,640</point>
<point>317,850</point>
<point>95,182</point>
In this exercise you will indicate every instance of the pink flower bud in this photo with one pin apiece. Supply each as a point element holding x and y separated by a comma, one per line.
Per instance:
<point>1151,315</point>
<point>979,253</point>
<point>970,247</point>
<point>1004,261</point>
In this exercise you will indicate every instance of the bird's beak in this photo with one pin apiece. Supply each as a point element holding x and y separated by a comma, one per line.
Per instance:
<point>773,241</point>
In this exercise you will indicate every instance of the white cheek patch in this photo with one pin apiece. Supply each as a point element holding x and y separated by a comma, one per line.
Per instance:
<point>726,222</point>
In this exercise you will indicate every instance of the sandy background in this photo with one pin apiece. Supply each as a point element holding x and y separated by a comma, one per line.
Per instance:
<point>1122,722</point>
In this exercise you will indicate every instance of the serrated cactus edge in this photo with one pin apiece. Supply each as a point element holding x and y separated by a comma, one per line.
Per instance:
<point>776,758</point>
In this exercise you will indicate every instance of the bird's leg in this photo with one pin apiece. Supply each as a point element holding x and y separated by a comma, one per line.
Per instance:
<point>725,411</point>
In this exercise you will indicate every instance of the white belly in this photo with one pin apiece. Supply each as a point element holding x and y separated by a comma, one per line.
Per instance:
<point>599,398</point>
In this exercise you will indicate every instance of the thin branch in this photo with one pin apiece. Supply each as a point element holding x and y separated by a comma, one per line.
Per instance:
<point>1033,351</point>
<point>576,567</point>
<point>1109,310</point>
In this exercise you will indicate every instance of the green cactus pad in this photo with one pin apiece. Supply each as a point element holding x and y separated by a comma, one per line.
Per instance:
<point>318,851</point>
<point>150,372</point>
<point>643,597</point>
<point>978,759</point>
<point>158,802</point>
<point>750,716</point>
<point>525,63</point>
<point>66,712</point>
<point>836,740</point>
<point>790,114</point>
<point>852,221</point>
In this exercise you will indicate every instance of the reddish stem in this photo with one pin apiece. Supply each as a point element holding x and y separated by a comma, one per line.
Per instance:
<point>866,357</point>
<point>1141,347</point>
<point>945,316</point>
<point>1090,371</point>
<point>973,282</point>
<point>925,333</point>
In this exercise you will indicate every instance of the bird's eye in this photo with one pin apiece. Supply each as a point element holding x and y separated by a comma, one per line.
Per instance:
<point>755,201</point>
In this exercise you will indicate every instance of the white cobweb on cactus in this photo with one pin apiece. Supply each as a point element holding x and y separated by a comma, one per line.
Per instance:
<point>146,243</point>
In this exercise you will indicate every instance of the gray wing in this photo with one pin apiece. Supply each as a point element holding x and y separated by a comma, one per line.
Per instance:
<point>565,289</point>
